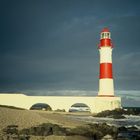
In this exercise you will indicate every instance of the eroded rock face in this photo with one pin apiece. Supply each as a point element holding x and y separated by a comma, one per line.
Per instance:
<point>11,132</point>
<point>128,133</point>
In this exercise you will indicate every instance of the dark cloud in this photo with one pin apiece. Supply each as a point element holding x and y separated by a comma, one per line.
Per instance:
<point>52,45</point>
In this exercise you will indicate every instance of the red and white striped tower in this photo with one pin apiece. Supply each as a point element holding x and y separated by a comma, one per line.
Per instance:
<point>106,85</point>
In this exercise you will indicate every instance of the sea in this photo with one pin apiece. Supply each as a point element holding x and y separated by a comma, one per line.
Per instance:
<point>128,121</point>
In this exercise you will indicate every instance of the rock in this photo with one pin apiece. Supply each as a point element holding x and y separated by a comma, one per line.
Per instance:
<point>11,129</point>
<point>57,130</point>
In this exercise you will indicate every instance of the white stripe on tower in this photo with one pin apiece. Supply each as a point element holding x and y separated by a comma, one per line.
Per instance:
<point>106,86</point>
<point>105,55</point>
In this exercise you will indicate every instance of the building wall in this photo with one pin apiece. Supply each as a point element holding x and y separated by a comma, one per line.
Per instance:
<point>96,104</point>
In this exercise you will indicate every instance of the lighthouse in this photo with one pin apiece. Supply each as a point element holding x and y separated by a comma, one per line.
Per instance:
<point>106,85</point>
<point>106,99</point>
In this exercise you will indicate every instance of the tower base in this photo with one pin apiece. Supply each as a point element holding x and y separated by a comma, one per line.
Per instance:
<point>103,103</point>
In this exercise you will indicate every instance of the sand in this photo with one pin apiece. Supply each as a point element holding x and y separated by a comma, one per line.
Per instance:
<point>28,118</point>
<point>22,118</point>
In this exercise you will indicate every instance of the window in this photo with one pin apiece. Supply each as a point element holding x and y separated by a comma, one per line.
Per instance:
<point>102,35</point>
<point>108,35</point>
<point>105,35</point>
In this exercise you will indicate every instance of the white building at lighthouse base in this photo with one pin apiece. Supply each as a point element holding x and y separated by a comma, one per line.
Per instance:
<point>95,103</point>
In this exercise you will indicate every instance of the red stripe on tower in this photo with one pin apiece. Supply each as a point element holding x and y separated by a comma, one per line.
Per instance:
<point>106,70</point>
<point>105,42</point>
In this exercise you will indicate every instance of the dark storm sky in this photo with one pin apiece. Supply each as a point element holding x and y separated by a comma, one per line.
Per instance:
<point>49,46</point>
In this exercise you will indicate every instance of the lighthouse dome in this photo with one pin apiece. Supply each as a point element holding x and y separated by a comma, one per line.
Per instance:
<point>105,30</point>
